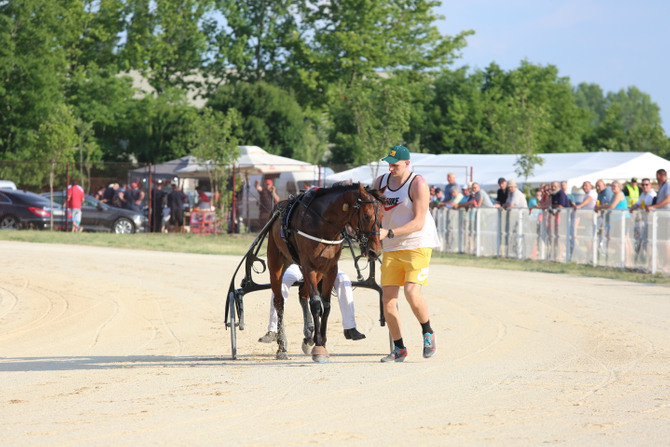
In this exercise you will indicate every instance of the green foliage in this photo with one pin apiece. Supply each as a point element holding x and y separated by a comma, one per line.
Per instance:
<point>212,141</point>
<point>155,128</point>
<point>165,41</point>
<point>32,69</point>
<point>271,118</point>
<point>370,116</point>
<point>339,80</point>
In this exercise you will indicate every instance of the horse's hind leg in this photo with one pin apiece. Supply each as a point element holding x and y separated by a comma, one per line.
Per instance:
<point>281,331</point>
<point>276,270</point>
<point>308,327</point>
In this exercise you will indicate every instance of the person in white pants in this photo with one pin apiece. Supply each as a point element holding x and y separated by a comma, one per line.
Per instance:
<point>345,297</point>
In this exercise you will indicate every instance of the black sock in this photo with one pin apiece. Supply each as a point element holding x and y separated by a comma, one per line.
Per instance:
<point>398,343</point>
<point>425,328</point>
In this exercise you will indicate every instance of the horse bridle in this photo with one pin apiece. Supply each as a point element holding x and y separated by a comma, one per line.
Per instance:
<point>362,237</point>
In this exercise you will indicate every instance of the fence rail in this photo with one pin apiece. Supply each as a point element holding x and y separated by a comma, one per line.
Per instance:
<point>638,240</point>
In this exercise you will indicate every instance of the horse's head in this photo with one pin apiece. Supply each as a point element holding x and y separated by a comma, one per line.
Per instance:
<point>368,221</point>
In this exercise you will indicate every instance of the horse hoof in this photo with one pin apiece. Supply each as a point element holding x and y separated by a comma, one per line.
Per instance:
<point>307,346</point>
<point>281,355</point>
<point>319,354</point>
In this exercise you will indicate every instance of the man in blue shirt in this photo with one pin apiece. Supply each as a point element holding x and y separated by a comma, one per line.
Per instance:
<point>558,197</point>
<point>605,194</point>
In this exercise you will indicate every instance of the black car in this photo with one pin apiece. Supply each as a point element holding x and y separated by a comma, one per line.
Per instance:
<point>23,209</point>
<point>98,216</point>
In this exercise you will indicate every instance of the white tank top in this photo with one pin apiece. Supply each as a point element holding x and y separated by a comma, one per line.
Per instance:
<point>398,211</point>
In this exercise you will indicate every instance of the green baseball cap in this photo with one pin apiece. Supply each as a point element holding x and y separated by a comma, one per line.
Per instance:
<point>396,154</point>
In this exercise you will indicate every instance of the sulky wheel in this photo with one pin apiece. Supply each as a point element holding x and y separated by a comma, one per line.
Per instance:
<point>232,324</point>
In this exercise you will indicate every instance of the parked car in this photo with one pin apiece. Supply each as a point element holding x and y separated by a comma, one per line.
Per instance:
<point>98,216</point>
<point>23,209</point>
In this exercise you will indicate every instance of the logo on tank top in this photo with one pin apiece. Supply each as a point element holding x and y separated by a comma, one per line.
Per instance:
<point>391,202</point>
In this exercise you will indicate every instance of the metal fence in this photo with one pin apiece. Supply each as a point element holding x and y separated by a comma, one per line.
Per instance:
<point>638,240</point>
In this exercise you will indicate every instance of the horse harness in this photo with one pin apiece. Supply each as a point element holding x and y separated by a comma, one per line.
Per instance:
<point>305,199</point>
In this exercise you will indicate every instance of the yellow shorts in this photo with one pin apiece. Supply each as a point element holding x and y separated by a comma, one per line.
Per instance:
<point>399,267</point>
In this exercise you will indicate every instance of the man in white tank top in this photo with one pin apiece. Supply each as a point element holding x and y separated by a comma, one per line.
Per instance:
<point>408,237</point>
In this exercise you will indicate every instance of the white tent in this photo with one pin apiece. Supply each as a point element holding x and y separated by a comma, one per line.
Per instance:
<point>486,169</point>
<point>252,160</point>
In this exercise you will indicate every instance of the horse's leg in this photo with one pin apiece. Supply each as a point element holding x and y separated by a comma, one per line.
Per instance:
<point>308,327</point>
<point>326,291</point>
<point>276,271</point>
<point>316,307</point>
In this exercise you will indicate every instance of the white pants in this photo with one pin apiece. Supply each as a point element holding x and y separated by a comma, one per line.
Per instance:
<point>342,286</point>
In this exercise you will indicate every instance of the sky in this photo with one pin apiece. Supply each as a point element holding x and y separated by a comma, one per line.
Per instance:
<point>613,43</point>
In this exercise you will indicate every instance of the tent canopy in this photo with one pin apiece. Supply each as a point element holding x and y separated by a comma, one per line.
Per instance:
<point>252,160</point>
<point>575,168</point>
<point>169,169</point>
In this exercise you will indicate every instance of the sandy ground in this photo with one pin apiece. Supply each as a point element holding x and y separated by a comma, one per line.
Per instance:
<point>108,347</point>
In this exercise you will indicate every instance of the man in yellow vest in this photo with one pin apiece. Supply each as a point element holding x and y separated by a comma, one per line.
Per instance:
<point>632,192</point>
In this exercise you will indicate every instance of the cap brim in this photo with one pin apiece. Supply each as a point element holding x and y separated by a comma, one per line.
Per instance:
<point>390,160</point>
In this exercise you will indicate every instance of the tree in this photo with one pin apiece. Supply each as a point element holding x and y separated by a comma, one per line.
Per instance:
<point>212,140</point>
<point>88,151</point>
<point>155,129</point>
<point>254,42</point>
<point>33,67</point>
<point>165,42</point>
<point>631,122</point>
<point>370,116</point>
<point>269,116</point>
<point>56,142</point>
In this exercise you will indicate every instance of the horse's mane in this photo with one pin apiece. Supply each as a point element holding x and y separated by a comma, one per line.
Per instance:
<point>344,187</point>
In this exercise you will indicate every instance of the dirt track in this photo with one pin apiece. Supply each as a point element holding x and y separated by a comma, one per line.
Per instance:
<point>105,346</point>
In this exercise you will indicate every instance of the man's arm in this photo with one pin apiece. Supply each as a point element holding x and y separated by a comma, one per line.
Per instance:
<point>665,202</point>
<point>275,196</point>
<point>588,199</point>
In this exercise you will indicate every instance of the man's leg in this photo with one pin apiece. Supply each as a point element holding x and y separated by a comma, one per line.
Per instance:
<point>345,297</point>
<point>416,301</point>
<point>391,315</point>
<point>291,276</point>
<point>420,309</point>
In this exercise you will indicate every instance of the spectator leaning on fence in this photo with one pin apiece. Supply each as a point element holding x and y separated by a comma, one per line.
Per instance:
<point>663,196</point>
<point>646,197</point>
<point>632,192</point>
<point>618,200</point>
<point>465,197</point>
<point>479,198</point>
<point>605,194</point>
<point>568,194</point>
<point>501,196</point>
<point>439,199</point>
<point>515,198</point>
<point>558,197</point>
<point>663,203</point>
<point>590,198</point>
<point>456,198</point>
<point>535,200</point>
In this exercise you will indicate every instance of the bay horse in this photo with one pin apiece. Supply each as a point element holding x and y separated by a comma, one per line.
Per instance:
<point>309,230</point>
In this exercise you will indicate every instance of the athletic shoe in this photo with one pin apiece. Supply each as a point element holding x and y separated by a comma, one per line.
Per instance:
<point>269,337</point>
<point>428,345</point>
<point>397,355</point>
